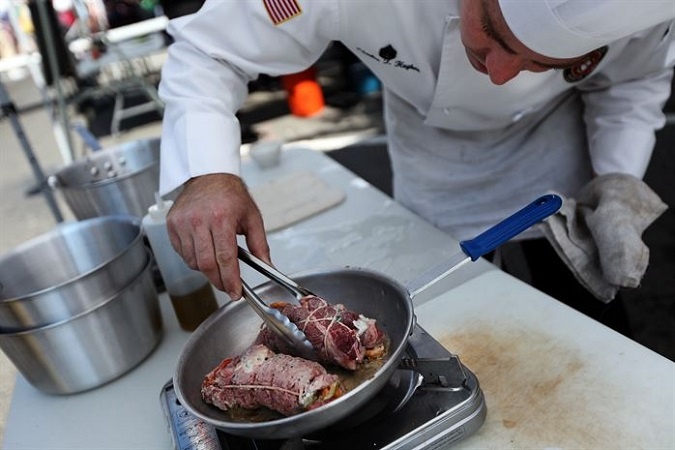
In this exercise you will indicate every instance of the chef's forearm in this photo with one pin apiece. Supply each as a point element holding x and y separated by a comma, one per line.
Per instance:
<point>200,133</point>
<point>622,151</point>
<point>624,103</point>
<point>216,53</point>
<point>622,126</point>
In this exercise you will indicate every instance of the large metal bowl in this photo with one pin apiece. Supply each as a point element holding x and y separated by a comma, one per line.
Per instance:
<point>93,347</point>
<point>229,331</point>
<point>117,180</point>
<point>69,270</point>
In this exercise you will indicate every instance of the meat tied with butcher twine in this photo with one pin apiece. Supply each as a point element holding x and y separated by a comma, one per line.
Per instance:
<point>262,378</point>
<point>339,336</point>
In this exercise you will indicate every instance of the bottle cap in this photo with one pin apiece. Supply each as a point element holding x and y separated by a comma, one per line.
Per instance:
<point>159,210</point>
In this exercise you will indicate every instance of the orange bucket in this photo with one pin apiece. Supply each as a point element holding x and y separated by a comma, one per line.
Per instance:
<point>305,96</point>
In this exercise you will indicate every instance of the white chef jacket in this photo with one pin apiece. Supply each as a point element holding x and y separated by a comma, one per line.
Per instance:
<point>465,153</point>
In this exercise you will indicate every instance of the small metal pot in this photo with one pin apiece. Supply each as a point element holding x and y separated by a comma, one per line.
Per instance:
<point>69,270</point>
<point>117,180</point>
<point>93,347</point>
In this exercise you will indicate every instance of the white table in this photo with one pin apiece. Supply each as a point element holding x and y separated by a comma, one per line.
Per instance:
<point>552,377</point>
<point>134,30</point>
<point>137,40</point>
<point>124,67</point>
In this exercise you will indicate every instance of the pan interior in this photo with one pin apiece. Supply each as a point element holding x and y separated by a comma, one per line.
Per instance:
<point>234,327</point>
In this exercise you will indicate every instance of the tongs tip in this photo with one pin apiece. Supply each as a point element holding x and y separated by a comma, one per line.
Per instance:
<point>279,324</point>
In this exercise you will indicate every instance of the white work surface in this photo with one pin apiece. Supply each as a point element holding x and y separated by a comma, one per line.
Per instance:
<point>552,378</point>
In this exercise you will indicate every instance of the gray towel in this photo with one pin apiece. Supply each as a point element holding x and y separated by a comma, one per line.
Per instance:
<point>599,234</point>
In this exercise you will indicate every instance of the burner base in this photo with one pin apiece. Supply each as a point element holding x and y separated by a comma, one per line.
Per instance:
<point>433,406</point>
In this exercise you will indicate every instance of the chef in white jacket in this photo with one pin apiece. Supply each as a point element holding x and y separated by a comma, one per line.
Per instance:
<point>488,103</point>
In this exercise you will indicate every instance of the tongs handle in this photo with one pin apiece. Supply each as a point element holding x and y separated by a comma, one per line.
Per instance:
<point>273,274</point>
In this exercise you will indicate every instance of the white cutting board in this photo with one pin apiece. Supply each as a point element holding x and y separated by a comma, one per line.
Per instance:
<point>294,197</point>
<point>552,378</point>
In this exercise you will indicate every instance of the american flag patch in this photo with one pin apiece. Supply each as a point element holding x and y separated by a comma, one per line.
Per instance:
<point>281,11</point>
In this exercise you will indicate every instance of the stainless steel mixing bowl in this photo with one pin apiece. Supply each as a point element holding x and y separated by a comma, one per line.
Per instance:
<point>69,270</point>
<point>93,347</point>
<point>116,180</point>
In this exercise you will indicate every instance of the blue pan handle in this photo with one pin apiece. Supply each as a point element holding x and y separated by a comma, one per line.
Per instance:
<point>513,225</point>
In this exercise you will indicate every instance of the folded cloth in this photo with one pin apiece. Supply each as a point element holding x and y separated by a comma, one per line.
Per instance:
<point>599,234</point>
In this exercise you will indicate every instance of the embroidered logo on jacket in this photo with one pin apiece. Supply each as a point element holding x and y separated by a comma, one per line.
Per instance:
<point>586,66</point>
<point>387,56</point>
<point>281,11</point>
<point>387,53</point>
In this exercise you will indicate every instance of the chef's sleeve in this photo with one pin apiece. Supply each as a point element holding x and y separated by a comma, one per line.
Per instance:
<point>624,103</point>
<point>215,54</point>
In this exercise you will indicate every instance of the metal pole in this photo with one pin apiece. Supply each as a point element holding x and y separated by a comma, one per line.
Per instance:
<point>9,109</point>
<point>52,59</point>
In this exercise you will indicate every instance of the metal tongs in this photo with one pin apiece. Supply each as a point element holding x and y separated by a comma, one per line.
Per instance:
<point>274,319</point>
<point>273,274</point>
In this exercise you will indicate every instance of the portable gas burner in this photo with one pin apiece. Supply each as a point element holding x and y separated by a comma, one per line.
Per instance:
<point>431,402</point>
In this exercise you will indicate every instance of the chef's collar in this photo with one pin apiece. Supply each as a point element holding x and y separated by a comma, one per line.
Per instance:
<point>572,28</point>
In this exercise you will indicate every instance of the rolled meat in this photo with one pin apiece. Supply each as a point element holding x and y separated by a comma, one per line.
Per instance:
<point>339,336</point>
<point>259,377</point>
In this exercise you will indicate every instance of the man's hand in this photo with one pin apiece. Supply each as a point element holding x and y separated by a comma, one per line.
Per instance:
<point>203,225</point>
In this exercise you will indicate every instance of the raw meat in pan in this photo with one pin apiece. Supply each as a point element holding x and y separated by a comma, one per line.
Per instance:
<point>260,377</point>
<point>339,336</point>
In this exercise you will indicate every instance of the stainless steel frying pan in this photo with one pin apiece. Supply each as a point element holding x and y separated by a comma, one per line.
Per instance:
<point>234,327</point>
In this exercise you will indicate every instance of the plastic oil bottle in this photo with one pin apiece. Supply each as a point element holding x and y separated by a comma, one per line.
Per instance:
<point>191,293</point>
